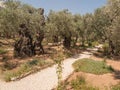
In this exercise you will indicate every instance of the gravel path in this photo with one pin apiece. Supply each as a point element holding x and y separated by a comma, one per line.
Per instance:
<point>45,79</point>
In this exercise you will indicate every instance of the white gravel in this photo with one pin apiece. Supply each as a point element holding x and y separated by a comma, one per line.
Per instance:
<point>45,79</point>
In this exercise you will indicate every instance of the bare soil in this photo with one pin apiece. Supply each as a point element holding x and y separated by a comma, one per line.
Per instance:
<point>103,82</point>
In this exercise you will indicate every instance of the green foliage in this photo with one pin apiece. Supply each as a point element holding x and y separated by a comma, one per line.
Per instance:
<point>106,49</point>
<point>79,81</point>
<point>33,62</point>
<point>91,66</point>
<point>60,25</point>
<point>80,84</point>
<point>95,43</point>
<point>59,68</point>
<point>9,18</point>
<point>27,67</point>
<point>8,65</point>
<point>8,75</point>
<point>106,20</point>
<point>68,53</point>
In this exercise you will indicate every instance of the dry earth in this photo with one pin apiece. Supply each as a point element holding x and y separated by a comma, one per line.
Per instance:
<point>103,82</point>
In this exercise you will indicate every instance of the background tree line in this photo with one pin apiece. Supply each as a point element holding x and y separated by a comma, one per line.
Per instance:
<point>28,26</point>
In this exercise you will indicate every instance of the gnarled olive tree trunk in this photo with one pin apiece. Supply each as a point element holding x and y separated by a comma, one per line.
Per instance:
<point>67,42</point>
<point>38,43</point>
<point>40,34</point>
<point>24,45</point>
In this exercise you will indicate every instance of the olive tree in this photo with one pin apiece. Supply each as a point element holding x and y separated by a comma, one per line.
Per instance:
<point>106,21</point>
<point>26,24</point>
<point>62,24</point>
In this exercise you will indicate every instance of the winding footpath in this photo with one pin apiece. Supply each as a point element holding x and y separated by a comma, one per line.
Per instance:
<point>45,79</point>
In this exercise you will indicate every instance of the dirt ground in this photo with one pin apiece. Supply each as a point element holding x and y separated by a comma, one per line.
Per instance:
<point>103,82</point>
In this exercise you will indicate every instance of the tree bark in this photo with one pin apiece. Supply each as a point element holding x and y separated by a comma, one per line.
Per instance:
<point>38,43</point>
<point>67,42</point>
<point>24,46</point>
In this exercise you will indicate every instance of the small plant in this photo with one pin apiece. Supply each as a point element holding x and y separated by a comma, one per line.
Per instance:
<point>105,59</point>
<point>76,84</point>
<point>33,62</point>
<point>106,49</point>
<point>7,65</point>
<point>68,54</point>
<point>42,63</point>
<point>25,68</point>
<point>80,84</point>
<point>59,71</point>
<point>8,75</point>
<point>95,43</point>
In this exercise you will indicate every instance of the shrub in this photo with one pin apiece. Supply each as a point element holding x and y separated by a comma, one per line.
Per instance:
<point>42,62</point>
<point>8,65</point>
<point>25,68</point>
<point>33,62</point>
<point>92,66</point>
<point>80,84</point>
<point>106,49</point>
<point>8,75</point>
<point>95,43</point>
<point>76,84</point>
<point>67,54</point>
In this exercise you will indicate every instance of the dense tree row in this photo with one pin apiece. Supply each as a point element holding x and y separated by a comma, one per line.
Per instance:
<point>106,23</point>
<point>28,27</point>
<point>25,24</point>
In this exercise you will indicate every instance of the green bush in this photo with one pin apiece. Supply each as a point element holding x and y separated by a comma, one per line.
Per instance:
<point>68,54</point>
<point>79,81</point>
<point>95,43</point>
<point>106,49</point>
<point>8,75</point>
<point>24,68</point>
<point>92,66</point>
<point>8,65</point>
<point>80,84</point>
<point>42,62</point>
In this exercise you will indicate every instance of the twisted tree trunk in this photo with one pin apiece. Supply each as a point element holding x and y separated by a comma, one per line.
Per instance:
<point>24,46</point>
<point>67,42</point>
<point>38,43</point>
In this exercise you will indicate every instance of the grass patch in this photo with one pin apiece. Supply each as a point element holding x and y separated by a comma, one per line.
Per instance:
<point>28,67</point>
<point>92,66</point>
<point>116,87</point>
<point>80,84</point>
